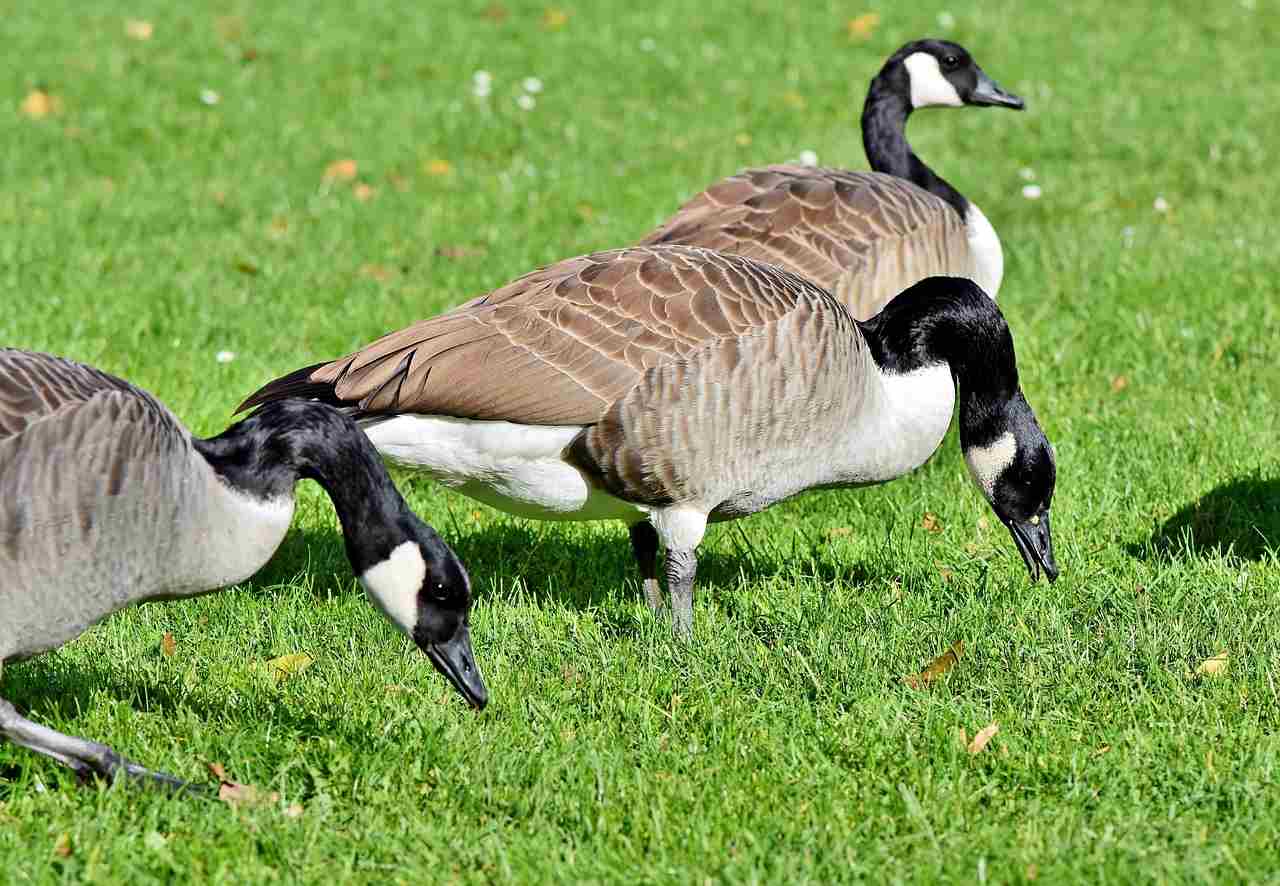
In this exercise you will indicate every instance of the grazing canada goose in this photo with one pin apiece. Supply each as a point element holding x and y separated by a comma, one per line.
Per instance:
<point>669,386</point>
<point>106,500</point>
<point>865,236</point>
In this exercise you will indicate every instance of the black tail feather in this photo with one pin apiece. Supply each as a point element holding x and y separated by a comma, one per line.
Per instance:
<point>296,384</point>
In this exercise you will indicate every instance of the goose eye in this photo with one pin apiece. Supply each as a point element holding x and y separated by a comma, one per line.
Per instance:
<point>951,61</point>
<point>439,592</point>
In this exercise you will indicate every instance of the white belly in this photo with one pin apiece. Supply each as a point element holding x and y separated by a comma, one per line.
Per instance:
<point>520,469</point>
<point>984,245</point>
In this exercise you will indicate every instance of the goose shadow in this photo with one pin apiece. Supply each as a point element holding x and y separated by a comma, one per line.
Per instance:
<point>1240,517</point>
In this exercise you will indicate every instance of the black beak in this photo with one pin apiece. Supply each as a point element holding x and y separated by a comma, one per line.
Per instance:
<point>1035,544</point>
<point>457,662</point>
<point>988,94</point>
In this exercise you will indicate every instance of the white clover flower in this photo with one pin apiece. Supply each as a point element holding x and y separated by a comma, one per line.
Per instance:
<point>526,102</point>
<point>1160,204</point>
<point>1032,192</point>
<point>224,356</point>
<point>531,84</point>
<point>210,97</point>
<point>808,158</point>
<point>481,84</point>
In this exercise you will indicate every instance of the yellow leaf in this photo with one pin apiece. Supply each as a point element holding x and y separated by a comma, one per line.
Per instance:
<point>839,531</point>
<point>39,103</point>
<point>983,737</point>
<point>1212,666</point>
<point>363,192</point>
<point>553,19</point>
<point>288,665</point>
<point>62,845</point>
<point>168,646</point>
<point>743,138</point>
<point>861,27</point>
<point>939,666</point>
<point>1119,383</point>
<point>931,523</point>
<point>341,170</point>
<point>438,167</point>
<point>794,100</point>
<point>138,30</point>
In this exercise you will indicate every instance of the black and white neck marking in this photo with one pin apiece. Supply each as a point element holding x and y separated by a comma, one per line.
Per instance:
<point>951,321</point>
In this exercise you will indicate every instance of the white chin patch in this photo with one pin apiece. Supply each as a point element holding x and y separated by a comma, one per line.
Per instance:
<point>393,585</point>
<point>928,86</point>
<point>986,462</point>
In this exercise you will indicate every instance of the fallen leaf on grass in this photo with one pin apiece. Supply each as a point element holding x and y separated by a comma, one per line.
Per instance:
<point>39,104</point>
<point>931,523</point>
<point>138,30</point>
<point>553,19</point>
<point>438,167</point>
<point>939,666</point>
<point>363,192</point>
<point>861,27</point>
<point>247,267</point>
<point>983,737</point>
<point>217,770</point>
<point>458,251</point>
<point>1212,666</point>
<point>168,645</point>
<point>381,273</point>
<point>1119,383</point>
<point>341,170</point>
<point>839,531</point>
<point>245,795</point>
<point>495,12</point>
<point>293,810</point>
<point>287,665</point>
<point>62,845</point>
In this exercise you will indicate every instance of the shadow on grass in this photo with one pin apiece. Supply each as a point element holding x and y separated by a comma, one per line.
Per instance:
<point>1241,517</point>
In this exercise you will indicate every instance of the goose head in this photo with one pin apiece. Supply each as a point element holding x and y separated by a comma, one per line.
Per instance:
<point>424,590</point>
<point>939,73</point>
<point>1016,472</point>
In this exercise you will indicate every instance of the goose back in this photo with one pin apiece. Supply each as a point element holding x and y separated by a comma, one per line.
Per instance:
<point>103,502</point>
<point>865,236</point>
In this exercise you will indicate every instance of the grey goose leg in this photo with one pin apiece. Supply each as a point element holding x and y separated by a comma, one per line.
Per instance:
<point>644,544</point>
<point>86,758</point>
<point>682,565</point>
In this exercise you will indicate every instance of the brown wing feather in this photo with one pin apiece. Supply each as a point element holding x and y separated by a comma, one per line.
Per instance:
<point>34,386</point>
<point>562,344</point>
<point>865,236</point>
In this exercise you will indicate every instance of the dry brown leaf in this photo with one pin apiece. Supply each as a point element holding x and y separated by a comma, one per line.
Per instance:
<point>363,192</point>
<point>341,170</point>
<point>279,226</point>
<point>554,18</point>
<point>293,810</point>
<point>496,12</point>
<point>381,273</point>
<point>946,572</point>
<point>457,251</point>
<point>1105,749</point>
<point>218,771</point>
<point>1032,871</point>
<point>238,795</point>
<point>939,666</point>
<point>287,665</point>
<point>1119,383</point>
<point>168,645</point>
<point>1212,666</point>
<point>585,211</point>
<point>839,531</point>
<point>138,29</point>
<point>39,104</point>
<point>438,167</point>
<point>62,845</point>
<point>983,737</point>
<point>861,27</point>
<point>931,523</point>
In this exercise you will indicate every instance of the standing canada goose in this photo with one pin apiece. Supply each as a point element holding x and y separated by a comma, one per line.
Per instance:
<point>106,500</point>
<point>669,386</point>
<point>865,236</point>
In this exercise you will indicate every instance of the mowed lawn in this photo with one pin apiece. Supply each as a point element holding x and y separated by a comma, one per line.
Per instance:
<point>284,182</point>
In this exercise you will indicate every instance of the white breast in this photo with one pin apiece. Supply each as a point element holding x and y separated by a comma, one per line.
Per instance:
<point>520,469</point>
<point>901,426</point>
<point>232,539</point>
<point>984,245</point>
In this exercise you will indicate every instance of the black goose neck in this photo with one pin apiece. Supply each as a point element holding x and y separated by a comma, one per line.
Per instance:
<point>884,135</point>
<point>950,320</point>
<point>264,455</point>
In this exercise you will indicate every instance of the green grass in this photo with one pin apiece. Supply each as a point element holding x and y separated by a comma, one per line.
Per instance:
<point>144,231</point>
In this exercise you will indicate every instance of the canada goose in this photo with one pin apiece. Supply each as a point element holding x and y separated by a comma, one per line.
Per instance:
<point>106,500</point>
<point>669,386</point>
<point>865,236</point>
